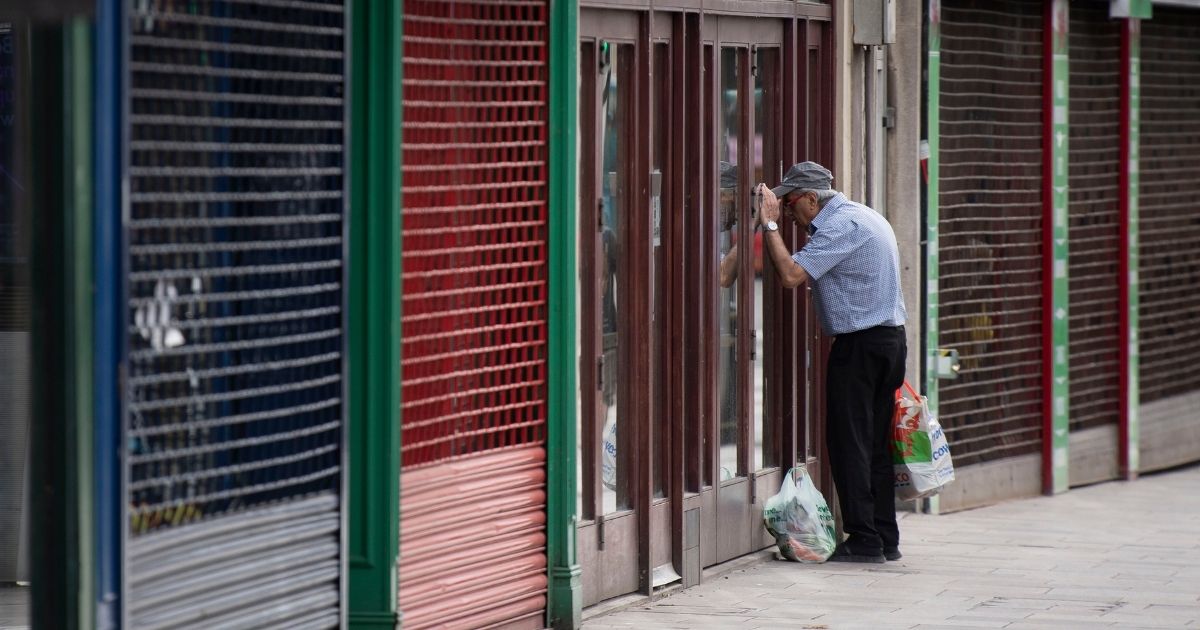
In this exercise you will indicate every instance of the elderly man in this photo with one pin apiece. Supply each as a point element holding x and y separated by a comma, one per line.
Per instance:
<point>853,264</point>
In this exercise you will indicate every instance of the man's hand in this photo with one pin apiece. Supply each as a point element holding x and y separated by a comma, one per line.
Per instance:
<point>791,274</point>
<point>769,210</point>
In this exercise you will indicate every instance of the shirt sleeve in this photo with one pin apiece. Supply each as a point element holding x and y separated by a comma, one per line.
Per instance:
<point>828,247</point>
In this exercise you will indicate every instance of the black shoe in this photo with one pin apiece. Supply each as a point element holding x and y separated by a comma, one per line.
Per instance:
<point>844,554</point>
<point>892,553</point>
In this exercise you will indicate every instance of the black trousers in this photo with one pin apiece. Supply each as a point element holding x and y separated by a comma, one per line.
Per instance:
<point>865,369</point>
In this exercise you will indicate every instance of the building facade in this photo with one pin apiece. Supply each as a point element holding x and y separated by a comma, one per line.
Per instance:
<point>364,314</point>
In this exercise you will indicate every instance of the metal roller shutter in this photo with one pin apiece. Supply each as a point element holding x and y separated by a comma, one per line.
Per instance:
<point>14,477</point>
<point>1169,200</point>
<point>1094,216</point>
<point>990,226</point>
<point>234,261</point>
<point>14,314</point>
<point>473,541</point>
<point>472,545</point>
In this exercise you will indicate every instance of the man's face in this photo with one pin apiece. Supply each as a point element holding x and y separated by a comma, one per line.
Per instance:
<point>797,205</point>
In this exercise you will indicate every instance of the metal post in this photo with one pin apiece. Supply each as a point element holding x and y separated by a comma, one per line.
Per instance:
<point>565,600</point>
<point>373,313</point>
<point>932,103</point>
<point>108,308</point>
<point>61,532</point>
<point>1127,457</point>
<point>1055,300</point>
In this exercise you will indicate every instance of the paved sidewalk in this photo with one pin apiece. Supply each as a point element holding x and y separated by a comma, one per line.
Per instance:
<point>14,607</point>
<point>1113,555</point>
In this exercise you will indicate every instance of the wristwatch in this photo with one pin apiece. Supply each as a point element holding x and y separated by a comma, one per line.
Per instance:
<point>771,226</point>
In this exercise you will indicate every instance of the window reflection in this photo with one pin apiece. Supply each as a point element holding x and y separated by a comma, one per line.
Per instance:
<point>765,90</point>
<point>659,420</point>
<point>727,150</point>
<point>617,72</point>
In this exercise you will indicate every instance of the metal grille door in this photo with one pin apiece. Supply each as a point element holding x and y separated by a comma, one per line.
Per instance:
<point>472,548</point>
<point>1169,201</point>
<point>990,226</point>
<point>1095,238</point>
<point>235,260</point>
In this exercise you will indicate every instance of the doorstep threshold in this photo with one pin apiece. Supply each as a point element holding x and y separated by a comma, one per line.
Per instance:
<point>633,600</point>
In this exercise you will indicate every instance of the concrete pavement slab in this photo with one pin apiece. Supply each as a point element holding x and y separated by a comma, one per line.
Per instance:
<point>14,607</point>
<point>1112,555</point>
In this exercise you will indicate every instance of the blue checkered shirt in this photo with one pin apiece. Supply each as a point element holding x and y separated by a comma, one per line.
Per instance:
<point>853,264</point>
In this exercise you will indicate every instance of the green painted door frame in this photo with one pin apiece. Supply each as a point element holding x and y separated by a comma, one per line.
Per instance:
<point>565,592</point>
<point>933,87</point>
<point>61,328</point>
<point>79,239</point>
<point>1056,368</point>
<point>373,313</point>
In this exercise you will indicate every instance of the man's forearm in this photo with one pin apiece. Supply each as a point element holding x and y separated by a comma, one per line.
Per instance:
<point>729,267</point>
<point>791,274</point>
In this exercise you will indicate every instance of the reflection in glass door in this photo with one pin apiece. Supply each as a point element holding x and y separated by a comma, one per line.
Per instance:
<point>660,218</point>
<point>731,203</point>
<point>767,166</point>
<point>616,75</point>
<point>751,390</point>
<point>611,318</point>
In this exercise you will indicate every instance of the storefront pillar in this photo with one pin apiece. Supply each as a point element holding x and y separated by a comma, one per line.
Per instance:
<point>564,607</point>
<point>374,314</point>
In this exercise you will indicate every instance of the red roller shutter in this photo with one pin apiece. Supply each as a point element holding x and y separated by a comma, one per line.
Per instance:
<point>472,544</point>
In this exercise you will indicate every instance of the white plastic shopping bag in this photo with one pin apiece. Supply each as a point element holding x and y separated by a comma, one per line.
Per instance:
<point>920,454</point>
<point>800,520</point>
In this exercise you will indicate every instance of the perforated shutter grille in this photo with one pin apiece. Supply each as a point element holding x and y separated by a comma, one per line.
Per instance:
<point>235,257</point>
<point>474,228</point>
<point>1094,216</point>
<point>235,267</point>
<point>1169,205</point>
<point>14,237</point>
<point>474,313</point>
<point>990,234</point>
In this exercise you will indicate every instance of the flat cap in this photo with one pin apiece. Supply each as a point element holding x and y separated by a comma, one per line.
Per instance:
<point>729,175</point>
<point>804,176</point>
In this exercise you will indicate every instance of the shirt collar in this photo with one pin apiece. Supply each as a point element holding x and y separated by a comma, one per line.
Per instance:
<point>830,208</point>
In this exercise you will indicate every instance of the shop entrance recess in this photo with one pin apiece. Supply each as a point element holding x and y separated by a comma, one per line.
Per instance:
<point>697,381</point>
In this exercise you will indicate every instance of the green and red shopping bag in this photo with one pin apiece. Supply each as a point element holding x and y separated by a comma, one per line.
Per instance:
<point>920,454</point>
